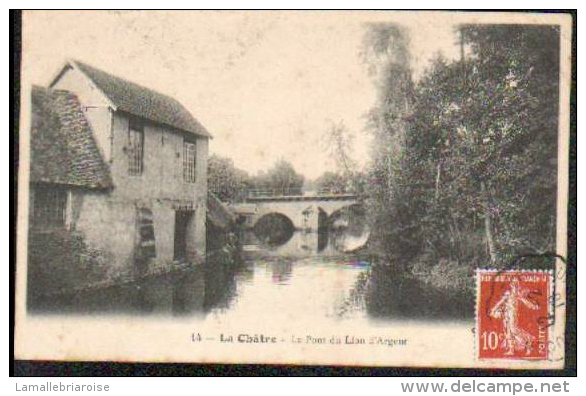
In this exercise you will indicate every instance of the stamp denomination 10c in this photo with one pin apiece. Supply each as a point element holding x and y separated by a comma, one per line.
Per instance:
<point>512,314</point>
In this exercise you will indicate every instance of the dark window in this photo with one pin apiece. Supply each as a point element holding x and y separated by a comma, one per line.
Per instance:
<point>135,147</point>
<point>189,161</point>
<point>49,207</point>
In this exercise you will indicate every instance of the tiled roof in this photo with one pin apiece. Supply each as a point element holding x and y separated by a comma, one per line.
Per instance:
<point>63,149</point>
<point>143,102</point>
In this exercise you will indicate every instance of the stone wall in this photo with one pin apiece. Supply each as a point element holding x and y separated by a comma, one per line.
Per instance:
<point>108,219</point>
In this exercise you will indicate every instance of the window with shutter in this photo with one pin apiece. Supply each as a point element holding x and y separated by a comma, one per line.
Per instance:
<point>189,161</point>
<point>135,147</point>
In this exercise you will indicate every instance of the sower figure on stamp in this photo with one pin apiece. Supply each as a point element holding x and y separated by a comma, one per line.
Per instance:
<point>507,308</point>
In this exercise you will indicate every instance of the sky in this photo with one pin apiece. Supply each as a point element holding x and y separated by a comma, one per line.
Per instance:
<point>266,85</point>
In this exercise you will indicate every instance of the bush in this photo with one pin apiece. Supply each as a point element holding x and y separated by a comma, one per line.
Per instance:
<point>447,276</point>
<point>59,261</point>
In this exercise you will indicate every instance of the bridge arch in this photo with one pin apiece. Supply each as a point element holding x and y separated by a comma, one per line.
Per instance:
<point>312,215</point>
<point>274,229</point>
<point>348,228</point>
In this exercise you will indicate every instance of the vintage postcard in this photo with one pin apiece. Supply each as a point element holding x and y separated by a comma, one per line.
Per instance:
<point>294,187</point>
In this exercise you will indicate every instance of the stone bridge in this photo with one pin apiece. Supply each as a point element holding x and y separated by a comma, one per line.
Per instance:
<point>302,210</point>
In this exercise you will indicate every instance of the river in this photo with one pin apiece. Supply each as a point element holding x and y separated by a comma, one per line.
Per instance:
<point>280,288</point>
<point>291,282</point>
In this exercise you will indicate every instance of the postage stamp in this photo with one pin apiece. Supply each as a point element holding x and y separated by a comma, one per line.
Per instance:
<point>512,313</point>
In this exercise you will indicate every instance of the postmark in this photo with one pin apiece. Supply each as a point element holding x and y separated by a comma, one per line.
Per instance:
<point>511,314</point>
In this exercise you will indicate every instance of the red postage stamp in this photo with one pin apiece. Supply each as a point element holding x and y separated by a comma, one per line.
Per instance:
<point>512,314</point>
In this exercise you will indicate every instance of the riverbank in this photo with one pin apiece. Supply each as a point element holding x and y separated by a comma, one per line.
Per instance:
<point>71,277</point>
<point>418,287</point>
<point>430,294</point>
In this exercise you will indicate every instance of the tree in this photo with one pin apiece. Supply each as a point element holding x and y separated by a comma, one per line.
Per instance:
<point>330,182</point>
<point>281,179</point>
<point>468,154</point>
<point>385,52</point>
<point>338,143</point>
<point>515,71</point>
<point>229,183</point>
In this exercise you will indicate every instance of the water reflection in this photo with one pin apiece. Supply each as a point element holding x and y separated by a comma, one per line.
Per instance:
<point>394,294</point>
<point>306,244</point>
<point>172,293</point>
<point>291,282</point>
<point>284,290</point>
<point>322,229</point>
<point>281,271</point>
<point>348,230</point>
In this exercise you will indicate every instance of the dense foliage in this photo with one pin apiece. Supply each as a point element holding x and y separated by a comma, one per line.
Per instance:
<point>226,181</point>
<point>231,184</point>
<point>464,161</point>
<point>332,182</point>
<point>60,261</point>
<point>280,179</point>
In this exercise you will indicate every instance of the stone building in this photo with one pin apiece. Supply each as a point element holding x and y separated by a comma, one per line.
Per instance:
<point>121,165</point>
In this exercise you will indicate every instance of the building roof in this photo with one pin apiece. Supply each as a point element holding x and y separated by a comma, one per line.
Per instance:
<point>63,149</point>
<point>218,213</point>
<point>143,102</point>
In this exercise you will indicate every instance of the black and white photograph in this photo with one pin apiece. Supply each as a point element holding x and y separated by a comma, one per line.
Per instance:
<point>368,188</point>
